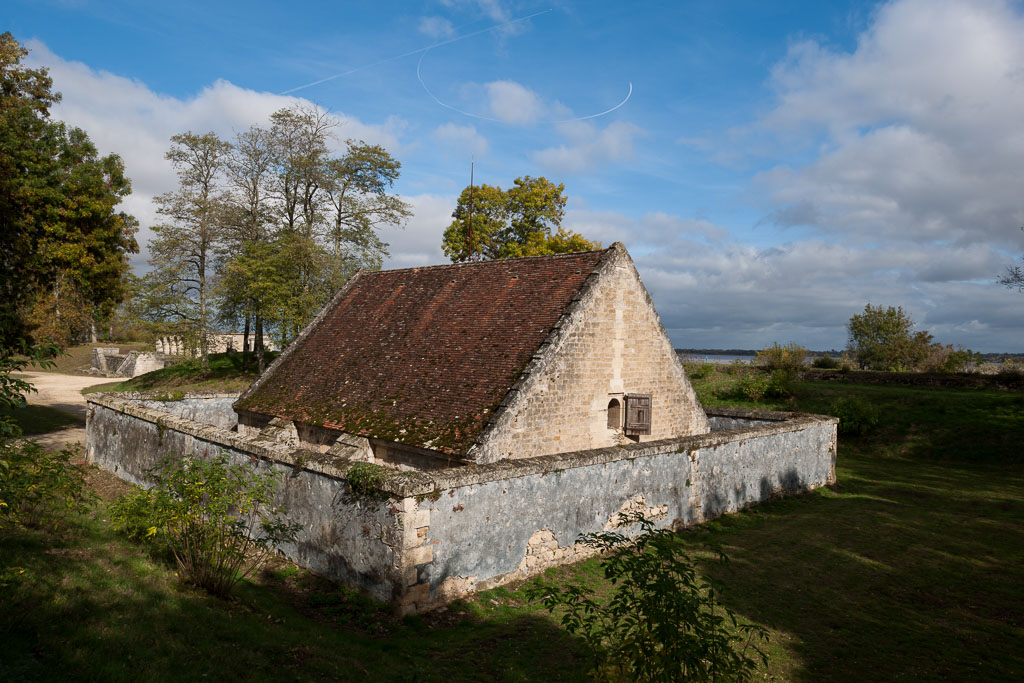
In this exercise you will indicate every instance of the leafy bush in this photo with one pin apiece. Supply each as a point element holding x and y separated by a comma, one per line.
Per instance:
<point>663,621</point>
<point>780,384</point>
<point>752,386</point>
<point>217,519</point>
<point>134,514</point>
<point>947,358</point>
<point>826,362</point>
<point>702,371</point>
<point>790,357</point>
<point>856,416</point>
<point>37,487</point>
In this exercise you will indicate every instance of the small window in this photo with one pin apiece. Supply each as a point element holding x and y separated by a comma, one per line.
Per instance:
<point>638,414</point>
<point>614,414</point>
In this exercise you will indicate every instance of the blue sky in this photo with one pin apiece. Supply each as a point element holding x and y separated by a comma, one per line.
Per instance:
<point>775,167</point>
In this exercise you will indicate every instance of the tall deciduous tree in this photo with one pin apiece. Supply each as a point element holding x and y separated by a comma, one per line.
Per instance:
<point>301,219</point>
<point>59,231</point>
<point>184,251</point>
<point>525,220</point>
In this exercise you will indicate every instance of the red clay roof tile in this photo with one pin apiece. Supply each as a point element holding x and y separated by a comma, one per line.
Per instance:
<point>423,356</point>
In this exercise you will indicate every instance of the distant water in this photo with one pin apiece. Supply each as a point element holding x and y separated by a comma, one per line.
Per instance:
<point>721,359</point>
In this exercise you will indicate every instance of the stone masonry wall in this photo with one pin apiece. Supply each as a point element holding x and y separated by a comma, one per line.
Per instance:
<point>612,343</point>
<point>429,537</point>
<point>344,536</point>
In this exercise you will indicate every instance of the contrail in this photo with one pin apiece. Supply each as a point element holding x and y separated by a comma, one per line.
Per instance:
<point>417,51</point>
<point>419,77</point>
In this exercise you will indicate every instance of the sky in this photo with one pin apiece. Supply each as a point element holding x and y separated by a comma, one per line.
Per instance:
<point>772,167</point>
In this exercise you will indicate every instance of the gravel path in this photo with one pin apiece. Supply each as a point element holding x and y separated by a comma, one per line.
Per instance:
<point>63,392</point>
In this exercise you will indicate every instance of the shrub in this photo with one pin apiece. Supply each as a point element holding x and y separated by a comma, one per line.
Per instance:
<point>780,384</point>
<point>752,386</point>
<point>662,622</point>
<point>217,519</point>
<point>134,515</point>
<point>790,357</point>
<point>702,371</point>
<point>856,416</point>
<point>826,362</point>
<point>949,359</point>
<point>37,487</point>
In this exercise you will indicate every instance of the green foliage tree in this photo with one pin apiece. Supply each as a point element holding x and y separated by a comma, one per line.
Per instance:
<point>312,216</point>
<point>59,230</point>
<point>884,339</point>
<point>525,220</point>
<point>663,621</point>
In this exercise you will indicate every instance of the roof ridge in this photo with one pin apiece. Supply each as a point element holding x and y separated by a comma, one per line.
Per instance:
<point>470,264</point>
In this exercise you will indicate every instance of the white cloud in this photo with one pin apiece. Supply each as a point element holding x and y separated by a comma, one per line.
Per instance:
<point>588,145</point>
<point>123,116</point>
<point>918,127</point>
<point>436,27</point>
<point>462,141</point>
<point>513,103</point>
<point>714,292</point>
<point>419,242</point>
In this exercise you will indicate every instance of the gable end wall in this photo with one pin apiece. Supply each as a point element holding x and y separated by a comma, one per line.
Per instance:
<point>609,343</point>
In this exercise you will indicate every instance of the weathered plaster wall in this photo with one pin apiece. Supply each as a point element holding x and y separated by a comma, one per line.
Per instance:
<point>431,536</point>
<point>485,533</point>
<point>611,343</point>
<point>343,536</point>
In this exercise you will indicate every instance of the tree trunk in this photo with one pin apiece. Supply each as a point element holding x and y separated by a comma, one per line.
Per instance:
<point>245,344</point>
<point>261,362</point>
<point>203,348</point>
<point>92,329</point>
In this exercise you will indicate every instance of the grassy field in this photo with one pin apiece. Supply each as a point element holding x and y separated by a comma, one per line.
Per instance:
<point>225,375</point>
<point>911,567</point>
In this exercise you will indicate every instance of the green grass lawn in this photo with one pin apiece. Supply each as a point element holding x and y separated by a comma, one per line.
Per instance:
<point>911,567</point>
<point>225,375</point>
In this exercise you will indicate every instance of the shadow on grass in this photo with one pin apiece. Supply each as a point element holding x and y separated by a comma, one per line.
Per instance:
<point>912,566</point>
<point>35,419</point>
<point>92,606</point>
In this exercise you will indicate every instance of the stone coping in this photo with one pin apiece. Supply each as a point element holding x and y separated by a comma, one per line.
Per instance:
<point>406,484</point>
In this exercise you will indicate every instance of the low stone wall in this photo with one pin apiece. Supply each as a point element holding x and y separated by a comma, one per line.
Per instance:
<point>429,537</point>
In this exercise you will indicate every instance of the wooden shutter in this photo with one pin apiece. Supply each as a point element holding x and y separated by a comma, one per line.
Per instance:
<point>638,414</point>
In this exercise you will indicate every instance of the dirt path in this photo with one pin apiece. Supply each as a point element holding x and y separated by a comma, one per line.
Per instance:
<point>62,392</point>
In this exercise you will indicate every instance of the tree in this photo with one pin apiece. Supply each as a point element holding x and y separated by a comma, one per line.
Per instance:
<point>184,251</point>
<point>511,224</point>
<point>883,339</point>
<point>1014,277</point>
<point>58,224</point>
<point>356,185</point>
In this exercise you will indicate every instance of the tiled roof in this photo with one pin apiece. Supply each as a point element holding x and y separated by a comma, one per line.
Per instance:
<point>422,356</point>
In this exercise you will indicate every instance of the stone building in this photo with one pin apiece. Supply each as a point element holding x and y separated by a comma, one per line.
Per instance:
<point>479,362</point>
<point>217,342</point>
